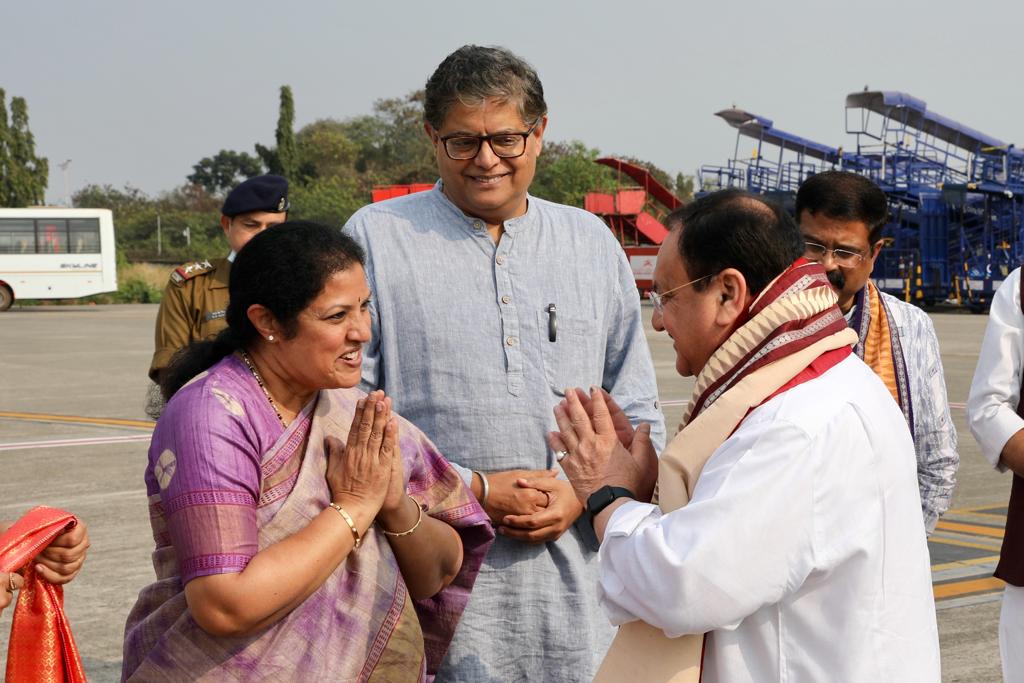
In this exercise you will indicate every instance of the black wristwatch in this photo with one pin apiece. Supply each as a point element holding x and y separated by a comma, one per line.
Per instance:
<point>598,501</point>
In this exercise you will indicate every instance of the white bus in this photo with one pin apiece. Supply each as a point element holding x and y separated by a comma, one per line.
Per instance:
<point>55,253</point>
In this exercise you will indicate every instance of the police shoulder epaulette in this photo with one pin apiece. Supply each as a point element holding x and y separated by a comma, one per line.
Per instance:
<point>186,272</point>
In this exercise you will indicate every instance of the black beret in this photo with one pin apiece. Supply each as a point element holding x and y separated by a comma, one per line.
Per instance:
<point>262,193</point>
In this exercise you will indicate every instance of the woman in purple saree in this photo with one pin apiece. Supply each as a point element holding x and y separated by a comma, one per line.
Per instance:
<point>303,531</point>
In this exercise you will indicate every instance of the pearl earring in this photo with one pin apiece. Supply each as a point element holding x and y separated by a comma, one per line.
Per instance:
<point>270,337</point>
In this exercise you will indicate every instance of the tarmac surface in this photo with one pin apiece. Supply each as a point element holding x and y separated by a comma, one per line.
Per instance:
<point>74,435</point>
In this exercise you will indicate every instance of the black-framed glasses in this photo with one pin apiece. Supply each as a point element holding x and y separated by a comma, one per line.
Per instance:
<point>842,257</point>
<point>504,145</point>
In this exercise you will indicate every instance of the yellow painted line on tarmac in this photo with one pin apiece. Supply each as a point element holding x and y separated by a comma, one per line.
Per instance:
<point>976,529</point>
<point>994,516</point>
<point>951,590</point>
<point>964,563</point>
<point>963,544</point>
<point>78,419</point>
<point>977,509</point>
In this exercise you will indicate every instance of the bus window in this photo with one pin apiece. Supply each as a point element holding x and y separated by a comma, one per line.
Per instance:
<point>84,236</point>
<point>17,236</point>
<point>52,236</point>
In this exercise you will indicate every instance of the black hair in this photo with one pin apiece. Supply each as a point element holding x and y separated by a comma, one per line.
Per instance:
<point>735,229</point>
<point>473,74</point>
<point>283,268</point>
<point>845,196</point>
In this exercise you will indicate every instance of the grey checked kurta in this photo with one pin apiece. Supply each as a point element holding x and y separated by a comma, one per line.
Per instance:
<point>461,343</point>
<point>934,435</point>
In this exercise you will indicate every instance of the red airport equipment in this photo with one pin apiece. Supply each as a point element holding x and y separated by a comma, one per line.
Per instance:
<point>382,192</point>
<point>634,216</point>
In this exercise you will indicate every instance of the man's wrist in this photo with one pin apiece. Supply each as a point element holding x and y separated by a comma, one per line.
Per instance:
<point>601,519</point>
<point>604,497</point>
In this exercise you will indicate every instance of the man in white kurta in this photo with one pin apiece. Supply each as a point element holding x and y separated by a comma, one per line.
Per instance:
<point>801,550</point>
<point>999,429</point>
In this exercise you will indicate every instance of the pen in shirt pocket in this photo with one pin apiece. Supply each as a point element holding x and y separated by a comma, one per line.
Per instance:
<point>552,323</point>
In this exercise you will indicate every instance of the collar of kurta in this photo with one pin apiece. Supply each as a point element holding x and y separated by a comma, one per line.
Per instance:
<point>512,225</point>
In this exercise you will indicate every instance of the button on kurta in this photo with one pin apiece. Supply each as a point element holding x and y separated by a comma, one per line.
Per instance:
<point>511,341</point>
<point>506,299</point>
<point>499,260</point>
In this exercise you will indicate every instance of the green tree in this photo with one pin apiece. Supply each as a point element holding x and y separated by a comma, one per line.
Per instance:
<point>221,172</point>
<point>23,175</point>
<point>328,200</point>
<point>283,159</point>
<point>566,172</point>
<point>128,200</point>
<point>684,187</point>
<point>188,207</point>
<point>325,151</point>
<point>393,149</point>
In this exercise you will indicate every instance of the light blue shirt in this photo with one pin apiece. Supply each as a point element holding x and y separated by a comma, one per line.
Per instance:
<point>461,343</point>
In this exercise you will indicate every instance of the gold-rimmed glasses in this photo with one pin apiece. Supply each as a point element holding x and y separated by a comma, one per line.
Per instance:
<point>659,299</point>
<point>843,258</point>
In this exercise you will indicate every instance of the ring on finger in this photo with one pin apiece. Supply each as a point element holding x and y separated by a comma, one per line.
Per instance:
<point>560,455</point>
<point>10,583</point>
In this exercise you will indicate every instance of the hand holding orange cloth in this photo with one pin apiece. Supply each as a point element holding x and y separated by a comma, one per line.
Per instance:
<point>41,648</point>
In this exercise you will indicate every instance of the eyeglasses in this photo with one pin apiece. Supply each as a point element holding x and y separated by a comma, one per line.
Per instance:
<point>659,299</point>
<point>842,257</point>
<point>504,145</point>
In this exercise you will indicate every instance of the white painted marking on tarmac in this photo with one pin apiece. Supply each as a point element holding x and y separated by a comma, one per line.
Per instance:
<point>83,441</point>
<point>976,571</point>
<point>968,601</point>
<point>74,502</point>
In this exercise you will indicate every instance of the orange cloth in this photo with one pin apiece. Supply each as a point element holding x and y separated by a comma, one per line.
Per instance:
<point>878,353</point>
<point>41,648</point>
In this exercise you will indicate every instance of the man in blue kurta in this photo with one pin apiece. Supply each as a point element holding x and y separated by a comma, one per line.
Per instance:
<point>488,303</point>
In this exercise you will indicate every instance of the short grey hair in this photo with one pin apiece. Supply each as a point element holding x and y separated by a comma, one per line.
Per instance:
<point>473,74</point>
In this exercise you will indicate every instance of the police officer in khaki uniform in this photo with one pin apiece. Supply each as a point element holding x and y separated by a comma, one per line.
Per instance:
<point>196,297</point>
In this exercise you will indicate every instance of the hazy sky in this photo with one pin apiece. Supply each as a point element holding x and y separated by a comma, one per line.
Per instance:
<point>136,92</point>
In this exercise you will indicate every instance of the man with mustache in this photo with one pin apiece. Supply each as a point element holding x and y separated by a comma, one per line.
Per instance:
<point>841,216</point>
<point>786,526</point>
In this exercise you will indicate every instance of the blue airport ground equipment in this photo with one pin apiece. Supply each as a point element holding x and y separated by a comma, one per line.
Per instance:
<point>956,195</point>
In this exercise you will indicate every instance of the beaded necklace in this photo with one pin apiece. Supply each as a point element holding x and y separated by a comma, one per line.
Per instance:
<point>259,380</point>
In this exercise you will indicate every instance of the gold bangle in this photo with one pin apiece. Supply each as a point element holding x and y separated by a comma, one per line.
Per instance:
<point>414,526</point>
<point>351,524</point>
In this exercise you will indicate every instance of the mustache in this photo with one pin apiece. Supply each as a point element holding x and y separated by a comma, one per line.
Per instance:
<point>836,278</point>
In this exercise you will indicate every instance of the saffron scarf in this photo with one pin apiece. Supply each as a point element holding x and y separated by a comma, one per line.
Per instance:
<point>41,648</point>
<point>879,346</point>
<point>792,325</point>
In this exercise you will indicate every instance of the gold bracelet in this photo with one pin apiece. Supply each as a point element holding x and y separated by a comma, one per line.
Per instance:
<point>414,526</point>
<point>351,524</point>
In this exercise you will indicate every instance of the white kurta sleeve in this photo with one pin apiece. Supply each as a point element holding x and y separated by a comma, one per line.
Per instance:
<point>995,389</point>
<point>745,540</point>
